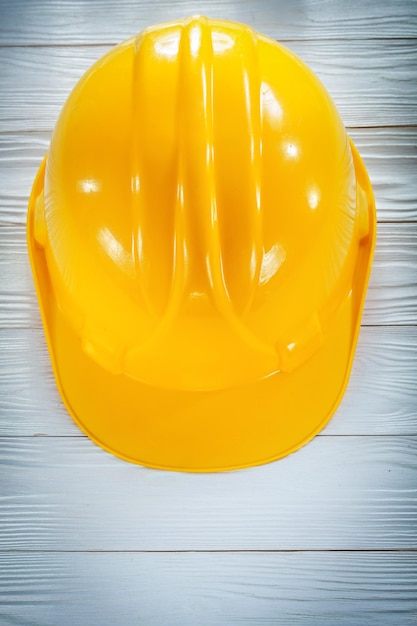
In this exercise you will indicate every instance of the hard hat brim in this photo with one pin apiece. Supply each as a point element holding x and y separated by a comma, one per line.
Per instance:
<point>203,431</point>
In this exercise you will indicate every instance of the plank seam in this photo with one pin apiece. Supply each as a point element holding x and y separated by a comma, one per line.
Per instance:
<point>97,44</point>
<point>218,551</point>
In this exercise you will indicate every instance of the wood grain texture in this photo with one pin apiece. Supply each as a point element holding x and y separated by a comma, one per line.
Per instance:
<point>365,589</point>
<point>98,21</point>
<point>336,493</point>
<point>78,526</point>
<point>391,297</point>
<point>390,155</point>
<point>392,291</point>
<point>372,82</point>
<point>381,398</point>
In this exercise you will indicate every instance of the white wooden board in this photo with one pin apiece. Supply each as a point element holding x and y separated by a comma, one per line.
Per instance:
<point>97,21</point>
<point>371,81</point>
<point>217,589</point>
<point>336,493</point>
<point>327,535</point>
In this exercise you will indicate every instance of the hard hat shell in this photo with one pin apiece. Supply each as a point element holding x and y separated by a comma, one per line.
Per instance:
<point>201,235</point>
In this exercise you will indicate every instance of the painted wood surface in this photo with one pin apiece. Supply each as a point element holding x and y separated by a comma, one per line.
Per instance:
<point>256,589</point>
<point>371,81</point>
<point>97,21</point>
<point>325,536</point>
<point>337,493</point>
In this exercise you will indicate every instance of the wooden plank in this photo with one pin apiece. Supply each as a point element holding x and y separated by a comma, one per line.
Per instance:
<point>392,292</point>
<point>20,156</point>
<point>390,155</point>
<point>371,81</point>
<point>259,589</point>
<point>336,493</point>
<point>391,297</point>
<point>101,21</point>
<point>381,398</point>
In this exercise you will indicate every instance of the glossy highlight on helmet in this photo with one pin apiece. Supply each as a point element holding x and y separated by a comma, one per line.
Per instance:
<point>201,234</point>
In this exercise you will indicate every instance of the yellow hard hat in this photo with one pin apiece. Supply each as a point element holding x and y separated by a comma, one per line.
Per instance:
<point>201,235</point>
